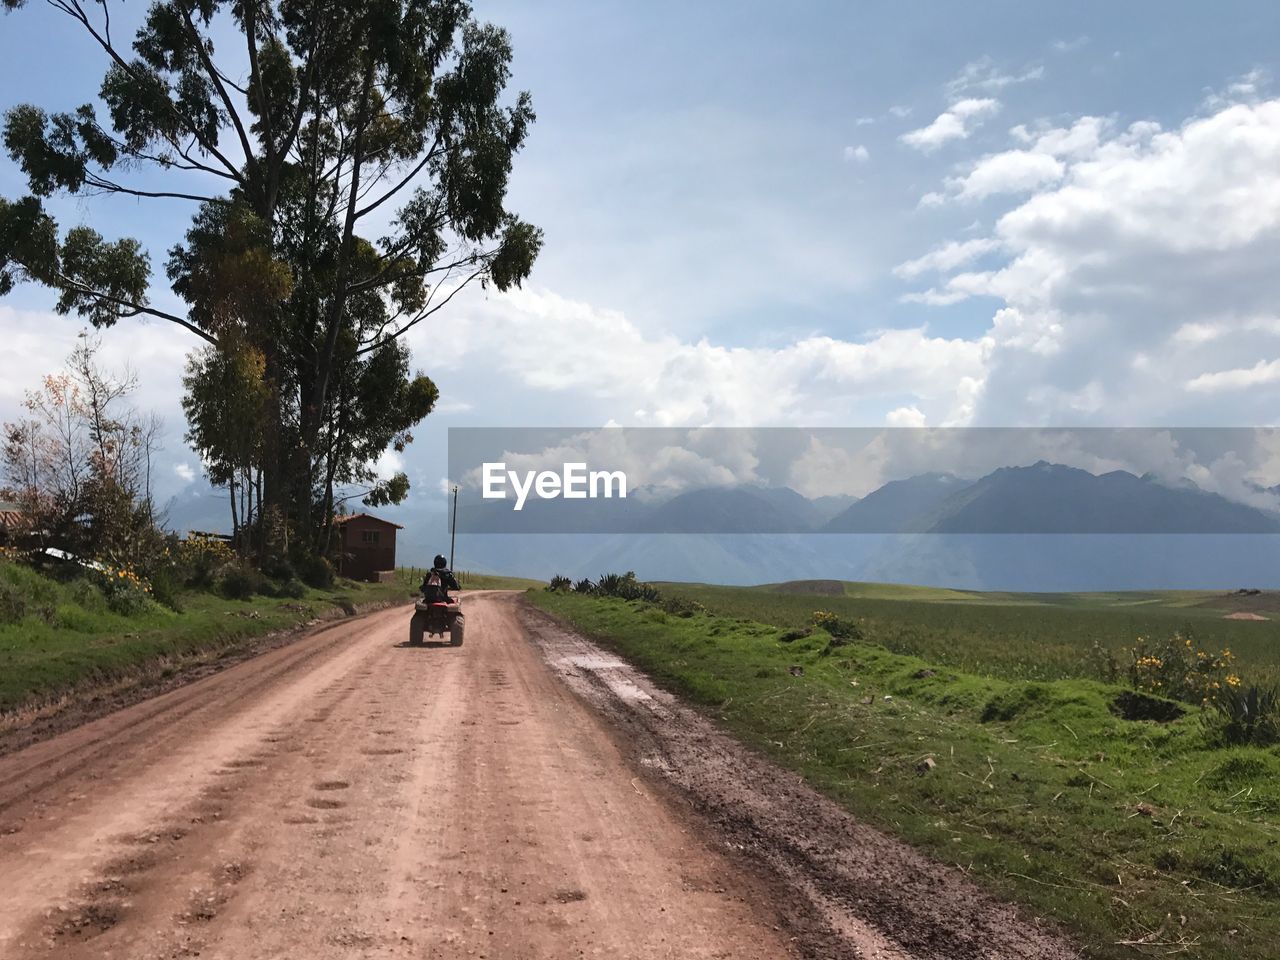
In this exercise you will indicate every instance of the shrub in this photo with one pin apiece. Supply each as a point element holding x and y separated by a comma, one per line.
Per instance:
<point>584,586</point>
<point>200,558</point>
<point>840,630</point>
<point>315,572</point>
<point>559,584</point>
<point>1249,716</point>
<point>25,593</point>
<point>611,584</point>
<point>627,587</point>
<point>292,589</point>
<point>1177,668</point>
<point>126,592</point>
<point>238,582</point>
<point>165,588</point>
<point>682,606</point>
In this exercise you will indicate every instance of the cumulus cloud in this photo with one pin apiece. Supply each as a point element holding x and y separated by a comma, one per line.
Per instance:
<point>954,123</point>
<point>1041,162</point>
<point>905,417</point>
<point>1148,262</point>
<point>1241,378</point>
<point>184,472</point>
<point>949,256</point>
<point>541,340</point>
<point>858,154</point>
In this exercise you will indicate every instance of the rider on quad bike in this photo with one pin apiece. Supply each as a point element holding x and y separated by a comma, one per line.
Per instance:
<point>437,612</point>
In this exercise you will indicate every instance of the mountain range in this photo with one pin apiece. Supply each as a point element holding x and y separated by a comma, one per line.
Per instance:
<point>1039,527</point>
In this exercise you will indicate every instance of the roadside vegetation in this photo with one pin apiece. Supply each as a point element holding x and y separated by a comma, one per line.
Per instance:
<point>1016,636</point>
<point>1145,824</point>
<point>71,628</point>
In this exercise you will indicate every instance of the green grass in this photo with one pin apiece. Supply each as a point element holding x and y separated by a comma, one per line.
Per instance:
<point>1012,636</point>
<point>1119,830</point>
<point>55,637</point>
<point>489,581</point>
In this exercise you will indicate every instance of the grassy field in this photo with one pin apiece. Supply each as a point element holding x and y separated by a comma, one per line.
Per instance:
<point>1140,838</point>
<point>55,637</point>
<point>489,581</point>
<point>1013,636</point>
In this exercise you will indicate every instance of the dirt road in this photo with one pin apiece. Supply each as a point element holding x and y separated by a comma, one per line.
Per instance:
<point>348,796</point>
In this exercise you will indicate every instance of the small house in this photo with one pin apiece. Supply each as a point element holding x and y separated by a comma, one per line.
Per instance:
<point>366,547</point>
<point>13,522</point>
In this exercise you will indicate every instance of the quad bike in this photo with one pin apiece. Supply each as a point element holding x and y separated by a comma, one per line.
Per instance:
<point>436,618</point>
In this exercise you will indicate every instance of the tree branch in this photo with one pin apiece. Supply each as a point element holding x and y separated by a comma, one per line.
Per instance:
<point>216,76</point>
<point>431,154</point>
<point>73,9</point>
<point>423,315</point>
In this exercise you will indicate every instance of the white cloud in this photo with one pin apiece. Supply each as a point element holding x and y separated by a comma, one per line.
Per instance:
<point>982,74</point>
<point>1246,88</point>
<point>900,111</point>
<point>905,417</point>
<point>1014,171</point>
<point>858,154</point>
<point>1151,243</point>
<point>1067,46</point>
<point>1041,162</point>
<point>864,121</point>
<point>1241,378</point>
<point>547,342</point>
<point>955,123</point>
<point>184,472</point>
<point>947,257</point>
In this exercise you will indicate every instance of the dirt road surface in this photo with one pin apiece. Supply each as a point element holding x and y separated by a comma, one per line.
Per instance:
<point>522,796</point>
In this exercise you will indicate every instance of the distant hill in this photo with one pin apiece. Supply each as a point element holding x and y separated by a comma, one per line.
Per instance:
<point>898,506</point>
<point>1051,498</point>
<point>734,510</point>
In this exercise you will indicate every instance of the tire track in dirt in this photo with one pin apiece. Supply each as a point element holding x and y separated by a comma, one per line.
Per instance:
<point>851,890</point>
<point>363,799</point>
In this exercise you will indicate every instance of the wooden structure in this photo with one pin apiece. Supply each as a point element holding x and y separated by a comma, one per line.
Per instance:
<point>13,522</point>
<point>366,546</point>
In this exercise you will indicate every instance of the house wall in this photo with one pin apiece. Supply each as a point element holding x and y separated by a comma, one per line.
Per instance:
<point>368,548</point>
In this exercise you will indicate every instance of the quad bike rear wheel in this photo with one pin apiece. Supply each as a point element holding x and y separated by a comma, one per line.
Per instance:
<point>415,631</point>
<point>455,631</point>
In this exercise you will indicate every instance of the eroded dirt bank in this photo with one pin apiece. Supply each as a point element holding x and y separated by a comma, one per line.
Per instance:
<point>861,892</point>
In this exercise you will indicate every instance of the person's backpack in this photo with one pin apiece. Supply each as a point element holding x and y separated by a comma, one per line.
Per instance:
<point>434,588</point>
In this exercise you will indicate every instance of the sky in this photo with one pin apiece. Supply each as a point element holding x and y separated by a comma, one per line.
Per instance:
<point>819,214</point>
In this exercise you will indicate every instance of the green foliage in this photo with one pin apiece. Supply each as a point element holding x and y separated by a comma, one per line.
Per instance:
<point>166,587</point>
<point>559,583</point>
<point>1250,715</point>
<point>239,582</point>
<point>71,635</point>
<point>681,606</point>
<point>291,589</point>
<point>315,572</point>
<point>841,630</point>
<point>626,587</point>
<point>126,592</point>
<point>25,594</point>
<point>1041,790</point>
<point>1176,667</point>
<point>365,159</point>
<point>1014,636</point>
<point>199,558</point>
<point>584,586</point>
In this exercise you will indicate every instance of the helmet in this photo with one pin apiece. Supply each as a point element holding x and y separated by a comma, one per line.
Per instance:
<point>440,562</point>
